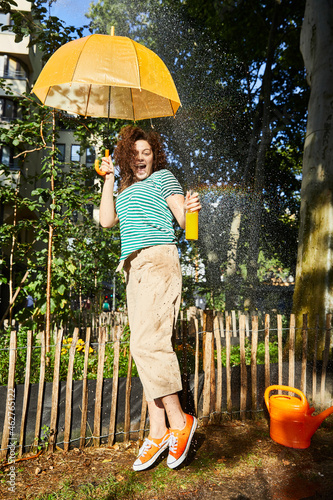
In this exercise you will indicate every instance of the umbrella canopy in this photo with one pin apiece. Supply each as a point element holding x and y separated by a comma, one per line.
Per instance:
<point>107,76</point>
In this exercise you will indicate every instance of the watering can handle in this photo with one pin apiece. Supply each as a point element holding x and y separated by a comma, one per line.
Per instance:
<point>98,170</point>
<point>283,388</point>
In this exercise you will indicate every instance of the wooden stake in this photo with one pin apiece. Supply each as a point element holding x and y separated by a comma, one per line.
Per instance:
<point>99,386</point>
<point>127,423</point>
<point>26,391</point>
<point>291,381</point>
<point>69,389</point>
<point>304,352</point>
<point>115,381</point>
<point>254,347</point>
<point>267,358</point>
<point>243,389</point>
<point>85,390</point>
<point>9,421</point>
<point>55,394</point>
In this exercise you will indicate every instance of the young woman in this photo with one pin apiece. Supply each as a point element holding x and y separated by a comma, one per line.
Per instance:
<point>149,196</point>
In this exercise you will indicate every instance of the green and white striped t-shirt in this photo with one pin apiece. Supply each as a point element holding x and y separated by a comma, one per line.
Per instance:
<point>144,215</point>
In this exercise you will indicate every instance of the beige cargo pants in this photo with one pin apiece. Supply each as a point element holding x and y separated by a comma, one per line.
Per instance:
<point>154,283</point>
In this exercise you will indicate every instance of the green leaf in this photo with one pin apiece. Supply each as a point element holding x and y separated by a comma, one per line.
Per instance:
<point>61,290</point>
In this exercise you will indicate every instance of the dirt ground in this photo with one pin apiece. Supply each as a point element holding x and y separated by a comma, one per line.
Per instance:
<point>231,460</point>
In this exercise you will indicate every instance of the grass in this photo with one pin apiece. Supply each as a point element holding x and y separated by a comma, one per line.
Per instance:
<point>131,485</point>
<point>245,453</point>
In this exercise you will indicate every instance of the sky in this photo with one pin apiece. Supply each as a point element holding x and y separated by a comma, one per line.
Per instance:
<point>71,11</point>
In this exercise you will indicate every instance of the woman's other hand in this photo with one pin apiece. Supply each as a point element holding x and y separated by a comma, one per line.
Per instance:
<point>192,202</point>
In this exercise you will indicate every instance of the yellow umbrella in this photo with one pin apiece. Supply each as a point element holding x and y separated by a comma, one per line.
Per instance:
<point>107,76</point>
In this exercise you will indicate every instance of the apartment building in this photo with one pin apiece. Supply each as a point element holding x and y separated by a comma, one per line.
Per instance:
<point>20,66</point>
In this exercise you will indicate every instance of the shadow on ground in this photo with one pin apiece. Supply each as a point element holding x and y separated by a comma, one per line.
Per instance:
<point>231,460</point>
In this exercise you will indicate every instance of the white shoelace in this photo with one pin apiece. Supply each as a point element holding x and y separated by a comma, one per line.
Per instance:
<point>148,443</point>
<point>146,446</point>
<point>173,443</point>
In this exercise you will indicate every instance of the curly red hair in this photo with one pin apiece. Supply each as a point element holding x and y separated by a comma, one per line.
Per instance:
<point>125,152</point>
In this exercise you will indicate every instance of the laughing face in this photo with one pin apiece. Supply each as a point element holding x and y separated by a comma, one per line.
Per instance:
<point>143,163</point>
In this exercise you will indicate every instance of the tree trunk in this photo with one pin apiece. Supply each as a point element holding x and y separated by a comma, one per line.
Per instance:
<point>259,182</point>
<point>314,273</point>
<point>232,283</point>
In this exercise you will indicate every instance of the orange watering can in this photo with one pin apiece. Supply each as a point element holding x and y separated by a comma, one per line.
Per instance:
<point>291,421</point>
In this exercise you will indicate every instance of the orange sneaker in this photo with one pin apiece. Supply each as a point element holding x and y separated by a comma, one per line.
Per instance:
<point>180,441</point>
<point>150,451</point>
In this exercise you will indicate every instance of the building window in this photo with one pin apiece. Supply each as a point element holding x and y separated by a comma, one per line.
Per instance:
<point>75,152</point>
<point>8,109</point>
<point>4,19</point>
<point>11,68</point>
<point>7,158</point>
<point>90,155</point>
<point>61,153</point>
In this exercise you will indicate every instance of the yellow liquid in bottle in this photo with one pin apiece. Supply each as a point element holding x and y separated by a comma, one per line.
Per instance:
<point>192,225</point>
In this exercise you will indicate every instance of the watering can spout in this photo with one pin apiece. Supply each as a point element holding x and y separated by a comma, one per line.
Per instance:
<point>291,420</point>
<point>317,420</point>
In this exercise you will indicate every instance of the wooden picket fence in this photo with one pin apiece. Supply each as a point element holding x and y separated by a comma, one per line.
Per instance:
<point>209,332</point>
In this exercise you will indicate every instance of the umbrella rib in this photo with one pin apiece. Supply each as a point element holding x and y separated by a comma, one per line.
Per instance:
<point>131,90</point>
<point>77,61</point>
<point>137,62</point>
<point>86,111</point>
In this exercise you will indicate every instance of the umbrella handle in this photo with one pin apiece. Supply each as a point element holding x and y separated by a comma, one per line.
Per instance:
<point>98,170</point>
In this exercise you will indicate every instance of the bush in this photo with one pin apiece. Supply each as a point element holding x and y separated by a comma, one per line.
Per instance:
<point>235,353</point>
<point>78,366</point>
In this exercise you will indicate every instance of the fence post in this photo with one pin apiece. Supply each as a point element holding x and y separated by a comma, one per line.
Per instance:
<point>127,423</point>
<point>304,352</point>
<point>209,366</point>
<point>291,381</point>
<point>254,347</point>
<point>267,358</point>
<point>325,356</point>
<point>10,399</point>
<point>280,349</point>
<point>314,369</point>
<point>99,386</point>
<point>26,391</point>
<point>184,333</point>
<point>228,369</point>
<point>55,396</point>
<point>85,390</point>
<point>196,368</point>
<point>243,388</point>
<point>217,335</point>
<point>69,387</point>
<point>143,418</point>
<point>40,391</point>
<point>115,382</point>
